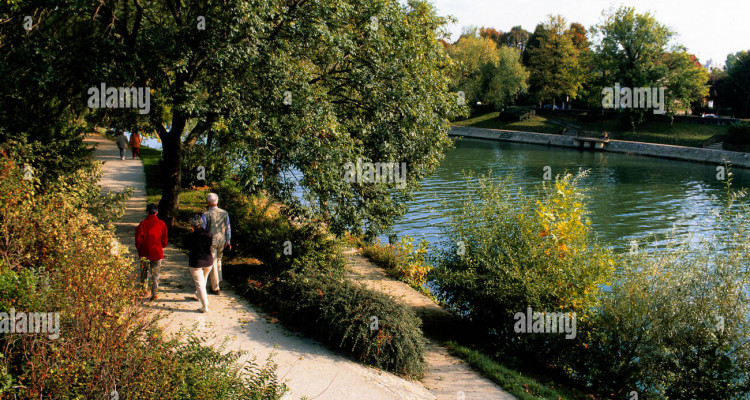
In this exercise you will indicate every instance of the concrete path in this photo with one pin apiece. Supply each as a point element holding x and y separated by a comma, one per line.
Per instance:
<point>447,377</point>
<point>308,368</point>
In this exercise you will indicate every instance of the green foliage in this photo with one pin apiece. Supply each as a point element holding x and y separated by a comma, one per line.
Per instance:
<point>676,323</point>
<point>307,287</point>
<point>55,256</point>
<point>206,372</point>
<point>554,61</point>
<point>225,87</point>
<point>261,230</point>
<point>487,73</point>
<point>731,88</point>
<point>516,114</point>
<point>630,48</point>
<point>518,384</point>
<point>401,260</point>
<point>508,251</point>
<point>340,313</point>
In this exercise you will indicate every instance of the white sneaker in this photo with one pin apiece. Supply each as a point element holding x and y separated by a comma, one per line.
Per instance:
<point>203,310</point>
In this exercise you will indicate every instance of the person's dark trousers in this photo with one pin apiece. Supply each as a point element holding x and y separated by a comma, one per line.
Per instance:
<point>122,152</point>
<point>155,267</point>
<point>136,152</point>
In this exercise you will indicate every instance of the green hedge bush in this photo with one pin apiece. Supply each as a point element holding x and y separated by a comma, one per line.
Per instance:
<point>507,251</point>
<point>309,290</point>
<point>261,230</point>
<point>340,313</point>
<point>674,324</point>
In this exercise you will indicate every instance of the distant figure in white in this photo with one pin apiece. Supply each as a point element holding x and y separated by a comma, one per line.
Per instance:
<point>216,222</point>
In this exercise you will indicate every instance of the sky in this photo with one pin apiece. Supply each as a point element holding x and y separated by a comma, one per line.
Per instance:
<point>709,29</point>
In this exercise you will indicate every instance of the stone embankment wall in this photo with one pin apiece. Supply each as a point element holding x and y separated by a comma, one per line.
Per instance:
<point>695,154</point>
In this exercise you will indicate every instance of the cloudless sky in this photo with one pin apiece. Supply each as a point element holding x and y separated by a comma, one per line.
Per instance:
<point>709,29</point>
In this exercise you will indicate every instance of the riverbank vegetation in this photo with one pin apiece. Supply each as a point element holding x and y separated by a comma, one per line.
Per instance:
<point>294,270</point>
<point>671,324</point>
<point>59,254</point>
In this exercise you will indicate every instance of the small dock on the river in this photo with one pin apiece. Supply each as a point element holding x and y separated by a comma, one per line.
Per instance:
<point>590,143</point>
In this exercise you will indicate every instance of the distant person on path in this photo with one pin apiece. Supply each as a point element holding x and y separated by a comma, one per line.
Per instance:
<point>199,242</point>
<point>122,144</point>
<point>135,145</point>
<point>150,239</point>
<point>216,222</point>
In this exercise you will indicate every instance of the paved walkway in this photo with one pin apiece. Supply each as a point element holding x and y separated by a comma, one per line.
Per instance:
<point>308,368</point>
<point>447,377</point>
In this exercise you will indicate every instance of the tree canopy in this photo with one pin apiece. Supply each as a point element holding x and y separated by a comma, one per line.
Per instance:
<point>287,92</point>
<point>487,73</point>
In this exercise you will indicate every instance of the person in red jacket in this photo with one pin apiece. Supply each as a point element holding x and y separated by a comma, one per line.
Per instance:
<point>150,239</point>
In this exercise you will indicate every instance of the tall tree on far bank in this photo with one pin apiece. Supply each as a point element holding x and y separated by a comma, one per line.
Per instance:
<point>553,62</point>
<point>516,38</point>
<point>630,48</point>
<point>636,51</point>
<point>487,73</point>
<point>731,87</point>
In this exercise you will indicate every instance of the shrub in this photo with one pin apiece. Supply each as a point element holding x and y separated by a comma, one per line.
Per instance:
<point>505,253</point>
<point>675,324</point>
<point>340,313</point>
<point>739,134</point>
<point>401,260</point>
<point>309,290</point>
<point>55,256</point>
<point>516,113</point>
<point>261,230</point>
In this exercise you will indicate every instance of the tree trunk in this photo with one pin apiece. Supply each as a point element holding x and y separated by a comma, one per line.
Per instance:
<point>169,205</point>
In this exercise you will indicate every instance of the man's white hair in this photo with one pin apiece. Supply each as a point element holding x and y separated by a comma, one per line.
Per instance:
<point>213,198</point>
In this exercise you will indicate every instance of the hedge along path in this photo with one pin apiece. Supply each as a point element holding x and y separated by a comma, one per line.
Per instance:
<point>446,376</point>
<point>308,368</point>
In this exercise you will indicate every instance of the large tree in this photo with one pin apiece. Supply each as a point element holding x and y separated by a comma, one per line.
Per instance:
<point>731,87</point>
<point>630,48</point>
<point>293,85</point>
<point>487,73</point>
<point>553,61</point>
<point>637,51</point>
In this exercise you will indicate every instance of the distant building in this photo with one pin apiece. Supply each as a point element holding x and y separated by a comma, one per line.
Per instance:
<point>711,64</point>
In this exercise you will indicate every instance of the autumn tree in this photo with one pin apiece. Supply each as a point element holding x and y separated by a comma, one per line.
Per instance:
<point>492,34</point>
<point>487,73</point>
<point>553,61</point>
<point>516,38</point>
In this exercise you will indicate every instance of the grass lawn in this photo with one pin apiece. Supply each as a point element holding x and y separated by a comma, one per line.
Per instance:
<point>692,135</point>
<point>520,385</point>
<point>490,121</point>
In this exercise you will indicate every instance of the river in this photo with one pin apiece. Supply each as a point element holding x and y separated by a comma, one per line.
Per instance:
<point>631,197</point>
